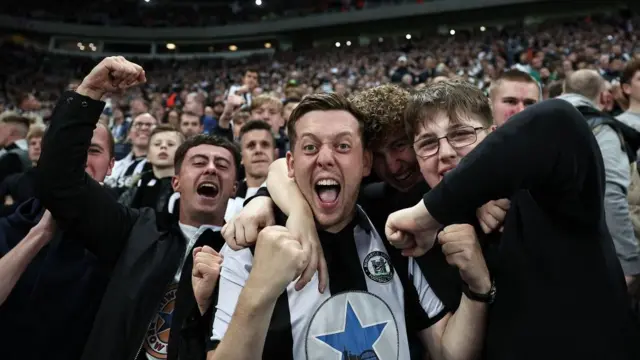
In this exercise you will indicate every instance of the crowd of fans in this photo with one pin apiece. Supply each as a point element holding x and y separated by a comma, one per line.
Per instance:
<point>154,13</point>
<point>161,131</point>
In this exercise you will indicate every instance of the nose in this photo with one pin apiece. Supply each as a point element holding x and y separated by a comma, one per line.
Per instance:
<point>325,157</point>
<point>211,168</point>
<point>446,151</point>
<point>520,106</point>
<point>392,163</point>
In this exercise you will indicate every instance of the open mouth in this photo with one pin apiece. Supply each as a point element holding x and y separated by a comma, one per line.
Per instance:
<point>163,156</point>
<point>403,176</point>
<point>208,190</point>
<point>327,190</point>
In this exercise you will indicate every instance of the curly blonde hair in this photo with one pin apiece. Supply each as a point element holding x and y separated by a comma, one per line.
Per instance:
<point>383,108</point>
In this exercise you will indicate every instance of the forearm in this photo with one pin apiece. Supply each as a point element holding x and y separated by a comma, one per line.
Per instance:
<point>14,263</point>
<point>247,331</point>
<point>621,229</point>
<point>284,191</point>
<point>464,334</point>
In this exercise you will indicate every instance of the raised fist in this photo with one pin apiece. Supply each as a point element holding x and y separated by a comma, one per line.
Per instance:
<point>234,101</point>
<point>412,230</point>
<point>204,276</point>
<point>278,260</point>
<point>461,247</point>
<point>112,74</point>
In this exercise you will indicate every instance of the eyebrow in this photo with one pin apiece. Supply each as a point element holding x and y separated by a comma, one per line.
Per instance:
<point>340,134</point>
<point>96,145</point>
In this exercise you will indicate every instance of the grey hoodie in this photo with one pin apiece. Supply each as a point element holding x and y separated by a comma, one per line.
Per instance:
<point>617,176</point>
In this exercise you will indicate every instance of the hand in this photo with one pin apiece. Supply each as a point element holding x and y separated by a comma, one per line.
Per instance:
<point>204,276</point>
<point>112,74</point>
<point>277,261</point>
<point>242,90</point>
<point>491,215</point>
<point>242,231</point>
<point>461,247</point>
<point>234,101</point>
<point>45,228</point>
<point>412,230</point>
<point>303,228</point>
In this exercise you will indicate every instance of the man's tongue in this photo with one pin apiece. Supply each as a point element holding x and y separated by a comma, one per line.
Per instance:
<point>328,195</point>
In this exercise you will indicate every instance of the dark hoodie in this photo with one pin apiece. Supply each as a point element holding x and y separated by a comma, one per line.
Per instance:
<point>50,311</point>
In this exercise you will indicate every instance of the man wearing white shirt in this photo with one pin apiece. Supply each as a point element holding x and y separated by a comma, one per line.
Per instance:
<point>258,149</point>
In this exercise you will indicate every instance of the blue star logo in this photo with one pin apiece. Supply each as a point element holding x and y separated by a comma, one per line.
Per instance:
<point>166,320</point>
<point>355,339</point>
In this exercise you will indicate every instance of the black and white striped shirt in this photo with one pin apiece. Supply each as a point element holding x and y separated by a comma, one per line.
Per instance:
<point>376,300</point>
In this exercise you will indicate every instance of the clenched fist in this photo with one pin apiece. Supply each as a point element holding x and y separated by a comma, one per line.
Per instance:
<point>491,215</point>
<point>112,74</point>
<point>412,230</point>
<point>204,276</point>
<point>278,260</point>
<point>461,247</point>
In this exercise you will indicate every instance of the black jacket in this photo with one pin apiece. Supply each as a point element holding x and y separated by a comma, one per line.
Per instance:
<point>560,287</point>
<point>143,249</point>
<point>56,298</point>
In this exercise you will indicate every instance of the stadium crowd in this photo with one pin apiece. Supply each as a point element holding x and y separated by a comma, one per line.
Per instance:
<point>451,197</point>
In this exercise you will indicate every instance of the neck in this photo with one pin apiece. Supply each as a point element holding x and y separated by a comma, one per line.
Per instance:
<point>336,228</point>
<point>634,106</point>
<point>163,172</point>
<point>254,182</point>
<point>199,219</point>
<point>139,151</point>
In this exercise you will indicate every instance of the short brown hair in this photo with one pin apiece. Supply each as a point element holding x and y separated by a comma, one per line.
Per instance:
<point>630,69</point>
<point>383,108</point>
<point>162,128</point>
<point>204,139</point>
<point>35,131</point>
<point>455,98</point>
<point>515,76</point>
<point>241,116</point>
<point>260,100</point>
<point>588,83</point>
<point>257,125</point>
<point>325,102</point>
<point>21,122</point>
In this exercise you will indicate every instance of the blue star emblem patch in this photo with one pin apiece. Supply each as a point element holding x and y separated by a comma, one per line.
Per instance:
<point>353,325</point>
<point>355,339</point>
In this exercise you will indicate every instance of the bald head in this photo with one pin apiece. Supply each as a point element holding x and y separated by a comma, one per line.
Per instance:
<point>587,83</point>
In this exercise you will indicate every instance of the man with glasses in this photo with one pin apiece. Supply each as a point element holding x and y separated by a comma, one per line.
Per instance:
<point>561,292</point>
<point>126,169</point>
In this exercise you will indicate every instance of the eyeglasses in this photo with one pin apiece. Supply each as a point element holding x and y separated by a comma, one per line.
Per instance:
<point>140,125</point>
<point>457,138</point>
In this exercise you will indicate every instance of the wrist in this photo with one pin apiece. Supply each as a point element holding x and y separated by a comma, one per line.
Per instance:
<point>89,92</point>
<point>259,295</point>
<point>481,287</point>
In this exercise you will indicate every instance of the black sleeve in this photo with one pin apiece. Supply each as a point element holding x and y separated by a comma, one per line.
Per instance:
<point>547,150</point>
<point>222,132</point>
<point>263,191</point>
<point>79,204</point>
<point>9,164</point>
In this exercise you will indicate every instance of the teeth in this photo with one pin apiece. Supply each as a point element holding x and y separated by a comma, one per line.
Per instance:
<point>208,185</point>
<point>327,182</point>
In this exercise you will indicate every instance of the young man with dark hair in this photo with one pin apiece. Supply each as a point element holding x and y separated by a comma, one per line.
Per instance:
<point>46,267</point>
<point>191,124</point>
<point>381,297</point>
<point>547,162</point>
<point>149,308</point>
<point>258,148</point>
<point>511,93</point>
